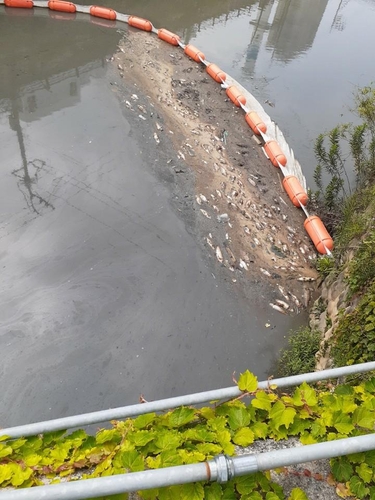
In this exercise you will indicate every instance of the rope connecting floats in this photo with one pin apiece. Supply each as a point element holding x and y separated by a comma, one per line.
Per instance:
<point>297,194</point>
<point>167,404</point>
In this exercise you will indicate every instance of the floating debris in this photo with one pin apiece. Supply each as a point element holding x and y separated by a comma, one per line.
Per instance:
<point>198,200</point>
<point>158,126</point>
<point>141,117</point>
<point>305,278</point>
<point>223,218</point>
<point>277,308</point>
<point>134,97</point>
<point>219,255</point>
<point>157,140</point>
<point>206,214</point>
<point>243,265</point>
<point>265,272</point>
<point>210,244</point>
<point>282,304</point>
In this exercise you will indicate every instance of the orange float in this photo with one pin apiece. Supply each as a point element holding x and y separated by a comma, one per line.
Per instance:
<point>295,191</point>
<point>235,95</point>
<point>319,234</point>
<point>168,36</point>
<point>103,12</point>
<point>216,73</point>
<point>61,6</point>
<point>140,23</point>
<point>255,123</point>
<point>275,154</point>
<point>20,4</point>
<point>194,53</point>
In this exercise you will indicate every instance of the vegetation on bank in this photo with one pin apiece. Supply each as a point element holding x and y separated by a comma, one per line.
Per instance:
<point>345,200</point>
<point>187,435</point>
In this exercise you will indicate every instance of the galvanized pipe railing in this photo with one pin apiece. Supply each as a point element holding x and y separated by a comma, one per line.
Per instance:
<point>221,470</point>
<point>167,404</point>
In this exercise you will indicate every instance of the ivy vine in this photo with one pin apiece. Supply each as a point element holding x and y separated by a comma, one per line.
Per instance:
<point>187,435</point>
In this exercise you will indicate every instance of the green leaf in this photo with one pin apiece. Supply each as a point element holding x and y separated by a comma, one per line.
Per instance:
<point>255,495</point>
<point>358,488</point>
<point>181,416</point>
<point>363,418</point>
<point>199,434</point>
<point>238,417</point>
<point>246,484</point>
<point>106,435</point>
<point>209,449</point>
<point>304,395</point>
<point>191,457</point>
<point>170,458</point>
<point>260,430</point>
<point>272,496</point>
<point>5,451</point>
<point>167,440</point>
<point>19,475</point>
<point>343,423</point>
<point>341,469</point>
<point>141,438</point>
<point>192,491</point>
<point>364,472</point>
<point>297,494</point>
<point>213,492</point>
<point>207,413</point>
<point>5,473</point>
<point>143,421</point>
<point>247,382</point>
<point>370,458</point>
<point>281,415</point>
<point>132,461</point>
<point>263,400</point>
<point>243,437</point>
<point>224,438</point>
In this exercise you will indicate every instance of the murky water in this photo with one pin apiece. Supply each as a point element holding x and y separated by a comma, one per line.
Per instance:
<point>104,293</point>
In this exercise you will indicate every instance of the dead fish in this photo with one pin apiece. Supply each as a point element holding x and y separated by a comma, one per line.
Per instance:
<point>141,117</point>
<point>282,304</point>
<point>256,241</point>
<point>158,126</point>
<point>142,109</point>
<point>215,208</point>
<point>216,167</point>
<point>253,183</point>
<point>198,200</point>
<point>210,244</point>
<point>182,155</point>
<point>246,230</point>
<point>282,291</point>
<point>203,198</point>
<point>243,265</point>
<point>206,214</point>
<point>134,97</point>
<point>218,193</point>
<point>305,278</point>
<point>219,255</point>
<point>265,272</point>
<point>277,308</point>
<point>213,197</point>
<point>223,171</point>
<point>295,300</point>
<point>128,104</point>
<point>157,140</point>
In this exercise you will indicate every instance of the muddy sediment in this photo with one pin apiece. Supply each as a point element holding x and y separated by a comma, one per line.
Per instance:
<point>245,219</point>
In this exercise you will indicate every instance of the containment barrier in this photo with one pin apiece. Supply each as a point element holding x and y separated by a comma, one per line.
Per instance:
<point>194,53</point>
<point>292,185</point>
<point>168,36</point>
<point>216,73</point>
<point>319,234</point>
<point>274,153</point>
<point>255,123</point>
<point>235,96</point>
<point>60,6</point>
<point>295,191</point>
<point>140,23</point>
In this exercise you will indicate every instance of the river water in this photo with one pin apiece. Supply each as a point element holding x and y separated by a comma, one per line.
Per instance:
<point>105,293</point>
